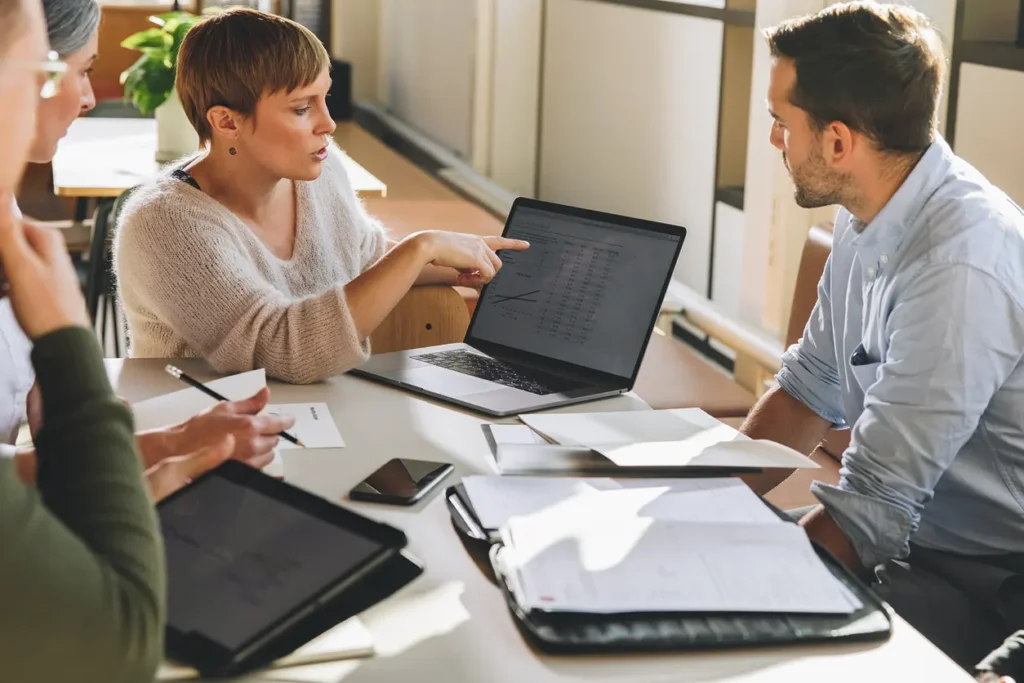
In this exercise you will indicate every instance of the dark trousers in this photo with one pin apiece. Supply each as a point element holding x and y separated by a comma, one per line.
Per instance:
<point>966,606</point>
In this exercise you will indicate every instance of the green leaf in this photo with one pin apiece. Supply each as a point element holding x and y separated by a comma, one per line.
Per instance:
<point>178,37</point>
<point>149,82</point>
<point>161,19</point>
<point>150,39</point>
<point>159,84</point>
<point>131,76</point>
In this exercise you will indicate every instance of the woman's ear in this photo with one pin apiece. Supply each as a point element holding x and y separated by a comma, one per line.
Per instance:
<point>224,122</point>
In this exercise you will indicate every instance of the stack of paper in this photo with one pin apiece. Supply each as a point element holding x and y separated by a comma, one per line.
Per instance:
<point>655,439</point>
<point>654,565</point>
<point>496,500</point>
<point>628,545</point>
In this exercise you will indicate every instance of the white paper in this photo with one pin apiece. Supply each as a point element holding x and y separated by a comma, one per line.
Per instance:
<point>515,434</point>
<point>645,565</point>
<point>664,438</point>
<point>314,425</point>
<point>349,640</point>
<point>175,408</point>
<point>740,454</point>
<point>497,499</point>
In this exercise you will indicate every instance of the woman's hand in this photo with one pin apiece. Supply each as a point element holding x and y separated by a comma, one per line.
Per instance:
<point>253,438</point>
<point>41,280</point>
<point>255,435</point>
<point>474,257</point>
<point>170,474</point>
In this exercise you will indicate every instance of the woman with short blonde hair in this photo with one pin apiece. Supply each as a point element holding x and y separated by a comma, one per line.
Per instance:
<point>255,252</point>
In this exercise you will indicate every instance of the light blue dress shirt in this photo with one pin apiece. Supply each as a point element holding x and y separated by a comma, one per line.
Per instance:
<point>916,343</point>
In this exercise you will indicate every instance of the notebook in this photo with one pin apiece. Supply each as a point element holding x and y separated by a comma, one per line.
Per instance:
<point>571,632</point>
<point>683,438</point>
<point>598,545</point>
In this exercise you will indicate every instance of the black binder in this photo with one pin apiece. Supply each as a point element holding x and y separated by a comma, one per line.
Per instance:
<point>577,633</point>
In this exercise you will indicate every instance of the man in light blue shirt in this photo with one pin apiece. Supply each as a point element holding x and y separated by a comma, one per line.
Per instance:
<point>917,339</point>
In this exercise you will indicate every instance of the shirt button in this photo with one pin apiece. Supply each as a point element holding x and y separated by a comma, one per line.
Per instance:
<point>883,259</point>
<point>871,272</point>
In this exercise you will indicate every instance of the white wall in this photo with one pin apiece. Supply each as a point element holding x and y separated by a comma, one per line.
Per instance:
<point>775,226</point>
<point>355,33</point>
<point>629,114</point>
<point>515,93</point>
<point>990,104</point>
<point>427,73</point>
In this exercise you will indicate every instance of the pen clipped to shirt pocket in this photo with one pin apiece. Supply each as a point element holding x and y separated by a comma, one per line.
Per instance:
<point>864,368</point>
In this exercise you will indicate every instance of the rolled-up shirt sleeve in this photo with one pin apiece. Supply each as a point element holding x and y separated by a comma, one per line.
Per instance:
<point>809,371</point>
<point>954,336</point>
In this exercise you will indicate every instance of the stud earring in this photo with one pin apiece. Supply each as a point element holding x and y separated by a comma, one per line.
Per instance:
<point>232,151</point>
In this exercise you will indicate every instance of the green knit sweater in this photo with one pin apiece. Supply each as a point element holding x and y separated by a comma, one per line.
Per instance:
<point>82,583</point>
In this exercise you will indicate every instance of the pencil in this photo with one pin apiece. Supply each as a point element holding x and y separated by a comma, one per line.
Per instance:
<point>176,373</point>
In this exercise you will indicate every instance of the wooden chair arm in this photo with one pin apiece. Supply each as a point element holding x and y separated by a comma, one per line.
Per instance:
<point>426,316</point>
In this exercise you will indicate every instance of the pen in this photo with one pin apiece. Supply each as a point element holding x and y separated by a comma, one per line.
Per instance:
<point>178,374</point>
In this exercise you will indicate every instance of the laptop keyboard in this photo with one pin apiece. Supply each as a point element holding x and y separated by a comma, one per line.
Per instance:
<point>500,372</point>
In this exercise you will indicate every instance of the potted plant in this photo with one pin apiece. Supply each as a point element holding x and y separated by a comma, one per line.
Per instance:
<point>149,82</point>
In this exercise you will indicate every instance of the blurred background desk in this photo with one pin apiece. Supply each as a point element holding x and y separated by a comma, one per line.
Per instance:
<point>103,157</point>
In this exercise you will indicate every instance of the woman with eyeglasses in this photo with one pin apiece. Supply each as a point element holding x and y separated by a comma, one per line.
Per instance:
<point>168,455</point>
<point>82,580</point>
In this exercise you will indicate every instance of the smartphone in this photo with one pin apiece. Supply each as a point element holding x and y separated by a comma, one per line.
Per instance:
<point>401,481</point>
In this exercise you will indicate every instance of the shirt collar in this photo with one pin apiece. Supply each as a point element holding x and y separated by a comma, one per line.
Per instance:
<point>878,240</point>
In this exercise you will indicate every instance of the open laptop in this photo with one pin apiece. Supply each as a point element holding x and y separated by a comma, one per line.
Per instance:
<point>566,321</point>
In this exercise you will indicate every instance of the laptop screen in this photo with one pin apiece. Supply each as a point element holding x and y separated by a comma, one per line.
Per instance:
<point>585,292</point>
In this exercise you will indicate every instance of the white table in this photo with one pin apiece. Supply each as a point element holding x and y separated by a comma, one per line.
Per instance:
<point>103,157</point>
<point>451,625</point>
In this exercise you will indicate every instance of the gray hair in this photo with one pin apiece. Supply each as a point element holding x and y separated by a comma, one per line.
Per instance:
<point>71,23</point>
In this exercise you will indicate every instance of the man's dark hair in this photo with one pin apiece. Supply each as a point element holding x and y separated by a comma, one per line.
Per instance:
<point>876,68</point>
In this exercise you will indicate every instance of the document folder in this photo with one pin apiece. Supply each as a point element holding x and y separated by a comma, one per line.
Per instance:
<point>578,633</point>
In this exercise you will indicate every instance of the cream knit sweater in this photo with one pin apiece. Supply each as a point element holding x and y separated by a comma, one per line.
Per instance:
<point>196,281</point>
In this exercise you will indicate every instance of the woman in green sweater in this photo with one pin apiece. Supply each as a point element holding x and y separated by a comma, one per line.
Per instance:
<point>81,565</point>
<point>73,27</point>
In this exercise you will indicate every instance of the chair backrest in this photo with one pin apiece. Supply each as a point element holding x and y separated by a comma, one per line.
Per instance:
<point>116,209</point>
<point>812,264</point>
<point>426,316</point>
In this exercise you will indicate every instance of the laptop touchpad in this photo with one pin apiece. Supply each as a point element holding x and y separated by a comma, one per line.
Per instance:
<point>441,381</point>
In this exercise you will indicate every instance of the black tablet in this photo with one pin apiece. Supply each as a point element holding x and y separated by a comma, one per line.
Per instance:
<point>252,561</point>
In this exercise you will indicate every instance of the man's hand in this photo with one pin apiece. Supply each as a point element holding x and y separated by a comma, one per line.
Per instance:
<point>170,474</point>
<point>820,527</point>
<point>783,419</point>
<point>255,435</point>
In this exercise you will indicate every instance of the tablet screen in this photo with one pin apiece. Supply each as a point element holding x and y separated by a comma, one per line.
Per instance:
<point>238,560</point>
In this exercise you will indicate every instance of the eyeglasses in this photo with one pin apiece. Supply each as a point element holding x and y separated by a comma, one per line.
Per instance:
<point>52,67</point>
